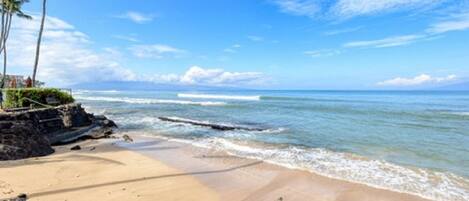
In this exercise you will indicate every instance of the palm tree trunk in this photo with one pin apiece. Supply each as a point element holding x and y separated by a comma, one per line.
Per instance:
<point>3,28</point>
<point>38,48</point>
<point>3,49</point>
<point>6,25</point>
<point>4,65</point>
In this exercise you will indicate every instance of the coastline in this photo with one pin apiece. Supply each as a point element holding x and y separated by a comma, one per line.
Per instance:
<point>152,168</point>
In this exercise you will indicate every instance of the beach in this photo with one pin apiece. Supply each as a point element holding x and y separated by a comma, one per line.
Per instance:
<point>340,100</point>
<point>158,169</point>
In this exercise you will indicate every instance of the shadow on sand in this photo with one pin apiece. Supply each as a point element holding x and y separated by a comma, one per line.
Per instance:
<point>39,194</point>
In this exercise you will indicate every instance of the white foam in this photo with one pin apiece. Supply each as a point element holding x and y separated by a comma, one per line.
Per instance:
<point>237,132</point>
<point>215,96</point>
<point>459,113</point>
<point>273,130</point>
<point>82,91</point>
<point>198,121</point>
<point>150,101</point>
<point>345,166</point>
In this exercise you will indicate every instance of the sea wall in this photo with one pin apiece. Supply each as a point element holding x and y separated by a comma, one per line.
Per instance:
<point>31,133</point>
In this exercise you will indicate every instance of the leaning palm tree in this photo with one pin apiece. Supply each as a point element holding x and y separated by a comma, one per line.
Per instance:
<point>38,47</point>
<point>9,8</point>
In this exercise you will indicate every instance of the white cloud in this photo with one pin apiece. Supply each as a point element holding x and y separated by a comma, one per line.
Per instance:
<point>126,38</point>
<point>352,8</point>
<point>67,58</point>
<point>299,7</point>
<point>255,38</point>
<point>156,51</point>
<point>341,31</point>
<point>457,23</point>
<point>387,42</point>
<point>66,55</point>
<point>322,53</point>
<point>139,18</point>
<point>201,76</point>
<point>416,81</point>
<point>229,50</point>
<point>343,9</point>
<point>197,75</point>
<point>232,49</point>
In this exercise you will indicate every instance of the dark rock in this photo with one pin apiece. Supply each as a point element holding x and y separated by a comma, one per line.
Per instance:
<point>210,125</point>
<point>100,117</point>
<point>6,125</point>
<point>21,197</point>
<point>107,123</point>
<point>29,133</point>
<point>76,147</point>
<point>22,140</point>
<point>127,138</point>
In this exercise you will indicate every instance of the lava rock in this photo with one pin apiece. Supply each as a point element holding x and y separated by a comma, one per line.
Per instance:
<point>76,147</point>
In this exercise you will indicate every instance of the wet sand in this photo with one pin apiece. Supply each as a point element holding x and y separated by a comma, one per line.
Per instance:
<point>235,178</point>
<point>157,169</point>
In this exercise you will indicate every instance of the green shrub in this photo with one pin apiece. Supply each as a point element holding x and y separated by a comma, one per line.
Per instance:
<point>16,97</point>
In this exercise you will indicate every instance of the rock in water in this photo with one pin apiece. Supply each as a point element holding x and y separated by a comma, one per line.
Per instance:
<point>215,126</point>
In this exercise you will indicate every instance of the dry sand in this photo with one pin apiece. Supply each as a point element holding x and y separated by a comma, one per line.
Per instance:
<point>157,169</point>
<point>105,173</point>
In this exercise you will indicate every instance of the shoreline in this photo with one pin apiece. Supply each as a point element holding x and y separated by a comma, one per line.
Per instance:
<point>255,179</point>
<point>215,174</point>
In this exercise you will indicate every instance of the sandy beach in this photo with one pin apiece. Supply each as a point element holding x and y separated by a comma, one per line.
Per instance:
<point>99,170</point>
<point>151,168</point>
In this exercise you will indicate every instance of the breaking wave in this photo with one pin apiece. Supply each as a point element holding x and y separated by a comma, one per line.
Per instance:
<point>214,96</point>
<point>150,101</point>
<point>350,167</point>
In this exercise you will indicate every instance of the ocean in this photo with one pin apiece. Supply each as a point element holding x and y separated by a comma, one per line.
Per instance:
<point>408,141</point>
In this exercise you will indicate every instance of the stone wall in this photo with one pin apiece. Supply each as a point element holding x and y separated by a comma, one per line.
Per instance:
<point>30,133</point>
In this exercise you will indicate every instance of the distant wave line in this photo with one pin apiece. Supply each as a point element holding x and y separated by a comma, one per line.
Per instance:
<point>151,101</point>
<point>215,96</point>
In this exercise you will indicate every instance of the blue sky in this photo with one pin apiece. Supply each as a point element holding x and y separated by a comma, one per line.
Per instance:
<point>277,44</point>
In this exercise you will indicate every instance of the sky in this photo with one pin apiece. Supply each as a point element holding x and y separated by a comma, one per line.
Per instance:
<point>263,44</point>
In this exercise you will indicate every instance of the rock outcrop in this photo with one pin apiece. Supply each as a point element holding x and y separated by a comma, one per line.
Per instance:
<point>31,133</point>
<point>21,140</point>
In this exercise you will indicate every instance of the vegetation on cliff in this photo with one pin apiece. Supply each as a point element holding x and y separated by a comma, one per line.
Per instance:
<point>26,97</point>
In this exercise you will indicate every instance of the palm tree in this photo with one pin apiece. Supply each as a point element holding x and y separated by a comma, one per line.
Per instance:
<point>38,47</point>
<point>9,8</point>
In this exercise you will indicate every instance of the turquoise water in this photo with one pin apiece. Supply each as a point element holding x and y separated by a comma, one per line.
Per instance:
<point>414,141</point>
